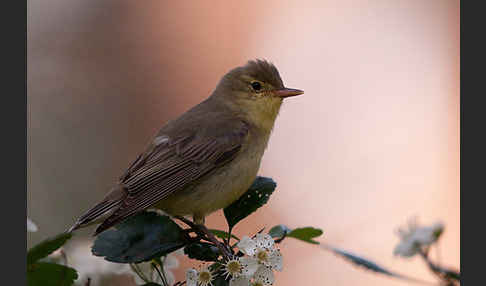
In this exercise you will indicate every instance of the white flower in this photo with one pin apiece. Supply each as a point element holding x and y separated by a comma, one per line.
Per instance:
<point>203,277</point>
<point>239,281</point>
<point>241,266</point>
<point>262,248</point>
<point>275,260</point>
<point>413,239</point>
<point>31,227</point>
<point>264,241</point>
<point>58,256</point>
<point>247,245</point>
<point>263,276</point>
<point>87,265</point>
<point>149,272</point>
<point>191,277</point>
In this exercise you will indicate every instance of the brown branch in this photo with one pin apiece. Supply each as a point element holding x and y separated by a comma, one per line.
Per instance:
<point>207,235</point>
<point>447,275</point>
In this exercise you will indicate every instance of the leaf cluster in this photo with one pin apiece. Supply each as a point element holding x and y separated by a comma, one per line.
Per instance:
<point>41,273</point>
<point>148,236</point>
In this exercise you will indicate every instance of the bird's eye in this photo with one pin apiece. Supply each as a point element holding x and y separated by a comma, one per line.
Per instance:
<point>256,86</point>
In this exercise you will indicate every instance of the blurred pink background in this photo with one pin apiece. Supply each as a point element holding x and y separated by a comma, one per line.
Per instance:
<point>372,142</point>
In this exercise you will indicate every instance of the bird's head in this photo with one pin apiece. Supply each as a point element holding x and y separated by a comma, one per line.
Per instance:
<point>256,91</point>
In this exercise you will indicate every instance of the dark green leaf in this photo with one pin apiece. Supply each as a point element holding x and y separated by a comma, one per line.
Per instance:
<point>47,247</point>
<point>202,251</point>
<point>140,238</point>
<point>305,234</point>
<point>222,234</point>
<point>444,272</point>
<point>50,274</point>
<point>279,231</point>
<point>256,196</point>
<point>368,264</point>
<point>220,281</point>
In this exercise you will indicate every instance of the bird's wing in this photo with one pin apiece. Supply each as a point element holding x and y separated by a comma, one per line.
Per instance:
<point>170,164</point>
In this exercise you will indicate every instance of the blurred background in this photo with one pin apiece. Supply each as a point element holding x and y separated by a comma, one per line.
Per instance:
<point>373,142</point>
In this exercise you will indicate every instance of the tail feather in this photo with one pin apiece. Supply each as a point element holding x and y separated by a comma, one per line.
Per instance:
<point>101,210</point>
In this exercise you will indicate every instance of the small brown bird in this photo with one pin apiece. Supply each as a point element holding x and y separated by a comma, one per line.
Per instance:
<point>205,159</point>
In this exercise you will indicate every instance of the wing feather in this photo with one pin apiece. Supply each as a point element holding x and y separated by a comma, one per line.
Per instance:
<point>171,166</point>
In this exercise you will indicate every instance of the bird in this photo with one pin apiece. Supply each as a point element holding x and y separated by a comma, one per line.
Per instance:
<point>205,159</point>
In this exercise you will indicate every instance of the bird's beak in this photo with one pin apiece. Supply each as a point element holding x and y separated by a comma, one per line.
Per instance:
<point>287,92</point>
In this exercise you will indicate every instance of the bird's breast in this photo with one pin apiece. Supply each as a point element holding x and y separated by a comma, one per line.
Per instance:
<point>221,187</point>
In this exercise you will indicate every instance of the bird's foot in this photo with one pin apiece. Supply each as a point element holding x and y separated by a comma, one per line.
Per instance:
<point>225,250</point>
<point>202,230</point>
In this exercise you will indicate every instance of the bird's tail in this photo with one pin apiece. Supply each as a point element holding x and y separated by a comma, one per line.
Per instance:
<point>102,210</point>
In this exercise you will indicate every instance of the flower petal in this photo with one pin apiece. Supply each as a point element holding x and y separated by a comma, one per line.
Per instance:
<point>428,235</point>
<point>170,277</point>
<point>264,275</point>
<point>275,260</point>
<point>31,226</point>
<point>249,266</point>
<point>87,265</point>
<point>191,277</point>
<point>415,237</point>
<point>170,262</point>
<point>406,248</point>
<point>148,272</point>
<point>264,241</point>
<point>205,276</point>
<point>240,281</point>
<point>247,245</point>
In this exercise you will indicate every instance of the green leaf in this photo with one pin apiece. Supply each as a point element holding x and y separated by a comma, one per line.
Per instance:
<point>202,251</point>
<point>140,238</point>
<point>220,281</point>
<point>279,231</point>
<point>256,196</point>
<point>369,264</point>
<point>222,234</point>
<point>47,247</point>
<point>360,261</point>
<point>50,274</point>
<point>306,234</point>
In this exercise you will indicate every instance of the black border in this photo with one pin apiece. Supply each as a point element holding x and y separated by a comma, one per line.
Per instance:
<point>21,163</point>
<point>14,141</point>
<point>472,145</point>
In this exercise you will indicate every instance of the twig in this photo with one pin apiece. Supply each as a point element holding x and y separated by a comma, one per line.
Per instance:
<point>140,274</point>
<point>161,275</point>
<point>370,265</point>
<point>444,274</point>
<point>208,235</point>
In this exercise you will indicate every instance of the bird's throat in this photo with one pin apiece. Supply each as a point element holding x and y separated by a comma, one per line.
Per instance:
<point>263,114</point>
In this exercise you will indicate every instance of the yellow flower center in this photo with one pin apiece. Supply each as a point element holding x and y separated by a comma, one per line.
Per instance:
<point>205,277</point>
<point>262,255</point>
<point>233,267</point>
